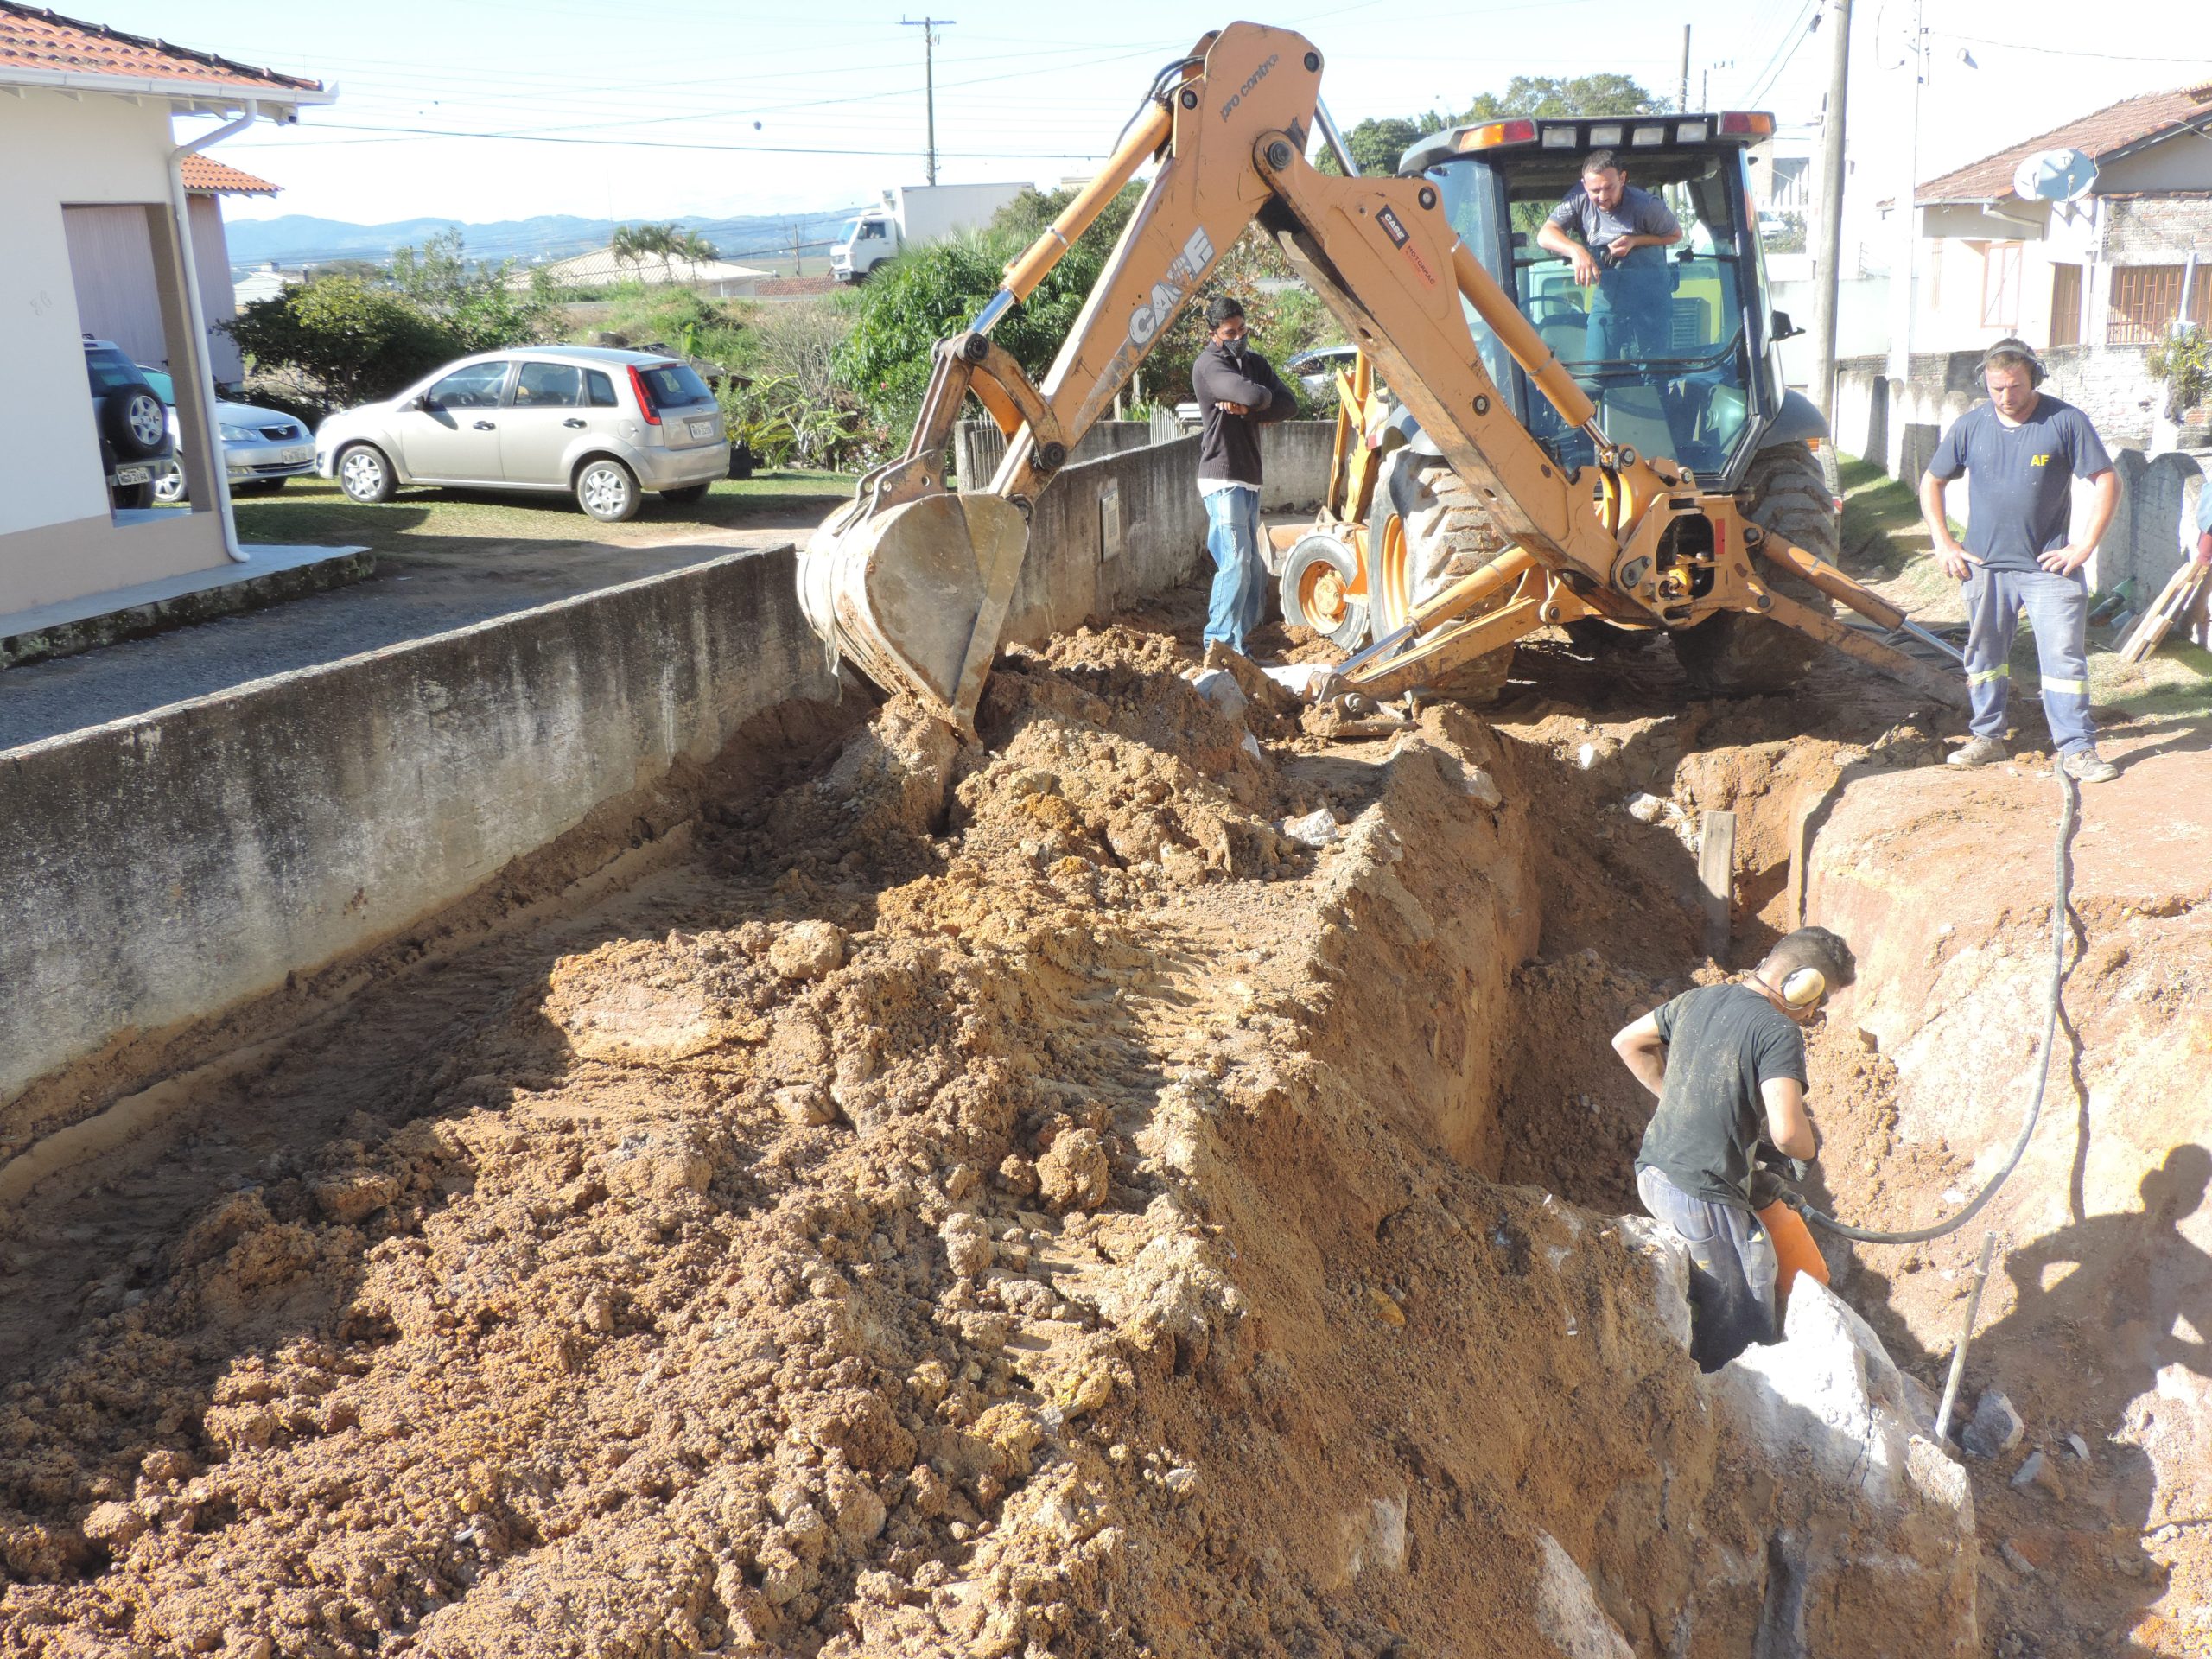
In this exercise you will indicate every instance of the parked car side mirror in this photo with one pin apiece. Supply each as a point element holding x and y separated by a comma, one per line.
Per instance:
<point>1782,327</point>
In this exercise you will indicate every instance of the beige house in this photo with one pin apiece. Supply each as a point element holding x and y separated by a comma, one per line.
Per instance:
<point>100,227</point>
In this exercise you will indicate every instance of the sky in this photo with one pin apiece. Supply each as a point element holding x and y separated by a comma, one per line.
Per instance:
<point>619,110</point>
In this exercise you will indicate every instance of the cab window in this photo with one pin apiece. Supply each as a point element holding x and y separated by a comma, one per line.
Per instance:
<point>598,390</point>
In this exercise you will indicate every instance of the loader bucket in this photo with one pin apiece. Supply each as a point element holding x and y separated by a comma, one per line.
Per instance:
<point>917,595</point>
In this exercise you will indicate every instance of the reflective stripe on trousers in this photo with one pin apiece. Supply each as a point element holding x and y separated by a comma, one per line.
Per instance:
<point>2057,609</point>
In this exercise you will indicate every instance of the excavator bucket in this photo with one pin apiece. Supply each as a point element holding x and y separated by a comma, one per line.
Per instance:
<point>916,594</point>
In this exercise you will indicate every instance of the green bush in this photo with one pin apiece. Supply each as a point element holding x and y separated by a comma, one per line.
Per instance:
<point>346,341</point>
<point>2184,361</point>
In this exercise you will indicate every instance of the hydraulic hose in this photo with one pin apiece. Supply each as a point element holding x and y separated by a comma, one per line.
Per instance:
<point>2062,885</point>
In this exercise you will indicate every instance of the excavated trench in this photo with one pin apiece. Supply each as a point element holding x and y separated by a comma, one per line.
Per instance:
<point>1017,1200</point>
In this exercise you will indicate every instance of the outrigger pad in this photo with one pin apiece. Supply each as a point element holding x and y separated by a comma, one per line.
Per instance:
<point>917,595</point>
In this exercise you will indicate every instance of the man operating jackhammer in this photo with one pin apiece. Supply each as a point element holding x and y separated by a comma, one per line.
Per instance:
<point>1727,1062</point>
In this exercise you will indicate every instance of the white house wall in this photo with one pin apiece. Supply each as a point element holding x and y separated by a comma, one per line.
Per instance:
<point>58,540</point>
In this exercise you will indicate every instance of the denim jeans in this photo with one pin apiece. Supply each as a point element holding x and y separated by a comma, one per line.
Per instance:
<point>1628,315</point>
<point>1732,1269</point>
<point>1239,599</point>
<point>2058,609</point>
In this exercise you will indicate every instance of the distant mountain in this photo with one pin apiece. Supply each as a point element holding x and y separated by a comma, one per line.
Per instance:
<point>300,239</point>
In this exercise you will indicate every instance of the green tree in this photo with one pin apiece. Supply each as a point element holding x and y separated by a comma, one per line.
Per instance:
<point>481,307</point>
<point>1378,143</point>
<point>1602,94</point>
<point>342,341</point>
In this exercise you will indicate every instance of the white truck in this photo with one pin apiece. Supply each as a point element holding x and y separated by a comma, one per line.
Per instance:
<point>910,215</point>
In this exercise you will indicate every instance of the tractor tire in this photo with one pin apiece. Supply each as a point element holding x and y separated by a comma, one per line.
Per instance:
<point>1733,655</point>
<point>1425,532</point>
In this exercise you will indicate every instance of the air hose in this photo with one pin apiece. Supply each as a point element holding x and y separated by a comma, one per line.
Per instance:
<point>2062,858</point>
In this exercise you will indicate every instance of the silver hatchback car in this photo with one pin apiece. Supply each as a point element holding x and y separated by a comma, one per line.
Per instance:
<point>604,425</point>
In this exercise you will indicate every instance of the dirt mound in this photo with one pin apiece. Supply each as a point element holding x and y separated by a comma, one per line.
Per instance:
<point>1027,1199</point>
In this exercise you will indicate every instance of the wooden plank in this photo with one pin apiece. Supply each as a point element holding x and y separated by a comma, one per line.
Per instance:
<point>2174,600</point>
<point>1716,874</point>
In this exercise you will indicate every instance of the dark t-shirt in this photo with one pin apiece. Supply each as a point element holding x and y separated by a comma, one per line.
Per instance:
<point>1722,1041</point>
<point>2019,479</point>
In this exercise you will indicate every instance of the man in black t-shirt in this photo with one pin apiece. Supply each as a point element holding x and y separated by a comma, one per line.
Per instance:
<point>1727,1062</point>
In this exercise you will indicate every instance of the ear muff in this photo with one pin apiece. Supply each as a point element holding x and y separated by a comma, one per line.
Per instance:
<point>2013,347</point>
<point>1804,987</point>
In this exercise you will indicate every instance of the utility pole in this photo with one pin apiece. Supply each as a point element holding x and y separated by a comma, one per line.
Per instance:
<point>798,259</point>
<point>1907,254</point>
<point>1827,250</point>
<point>929,26</point>
<point>1683,98</point>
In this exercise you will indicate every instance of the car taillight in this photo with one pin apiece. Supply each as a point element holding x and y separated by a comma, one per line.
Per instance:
<point>645,398</point>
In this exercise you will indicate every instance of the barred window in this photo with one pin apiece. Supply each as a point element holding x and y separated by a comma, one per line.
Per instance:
<point>2147,302</point>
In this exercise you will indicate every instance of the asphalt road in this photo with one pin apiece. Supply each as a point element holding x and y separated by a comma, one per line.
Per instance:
<point>413,594</point>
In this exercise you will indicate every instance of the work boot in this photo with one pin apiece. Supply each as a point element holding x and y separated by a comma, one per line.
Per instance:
<point>2087,767</point>
<point>1976,752</point>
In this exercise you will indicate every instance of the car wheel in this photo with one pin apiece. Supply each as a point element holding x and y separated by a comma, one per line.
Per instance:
<point>606,490</point>
<point>364,474</point>
<point>170,489</point>
<point>686,496</point>
<point>137,424</point>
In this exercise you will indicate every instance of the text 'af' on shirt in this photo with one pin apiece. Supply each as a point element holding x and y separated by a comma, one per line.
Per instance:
<point>1722,1041</point>
<point>2019,479</point>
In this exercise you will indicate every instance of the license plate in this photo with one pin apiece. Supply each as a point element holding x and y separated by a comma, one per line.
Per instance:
<point>702,429</point>
<point>133,474</point>
<point>294,457</point>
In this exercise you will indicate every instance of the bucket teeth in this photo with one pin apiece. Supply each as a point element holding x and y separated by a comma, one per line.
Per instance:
<point>917,595</point>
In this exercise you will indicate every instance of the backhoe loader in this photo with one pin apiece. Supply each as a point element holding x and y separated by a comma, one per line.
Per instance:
<point>912,582</point>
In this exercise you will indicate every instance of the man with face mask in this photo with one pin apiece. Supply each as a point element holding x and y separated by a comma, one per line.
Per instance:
<point>1238,393</point>
<point>1727,1062</point>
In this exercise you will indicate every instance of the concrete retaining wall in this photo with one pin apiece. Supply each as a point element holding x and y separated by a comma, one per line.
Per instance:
<point>162,870</point>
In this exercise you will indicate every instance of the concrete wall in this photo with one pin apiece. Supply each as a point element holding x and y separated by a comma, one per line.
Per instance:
<point>1293,456</point>
<point>93,150</point>
<point>164,869</point>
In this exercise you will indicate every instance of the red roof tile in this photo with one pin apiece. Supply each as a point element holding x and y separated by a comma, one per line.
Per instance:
<point>210,177</point>
<point>2110,130</point>
<point>44,41</point>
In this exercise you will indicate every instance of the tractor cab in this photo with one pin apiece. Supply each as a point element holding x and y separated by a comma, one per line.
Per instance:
<point>1675,350</point>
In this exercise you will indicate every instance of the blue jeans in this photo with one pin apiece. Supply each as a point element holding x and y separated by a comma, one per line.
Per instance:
<point>1628,314</point>
<point>1732,1269</point>
<point>1239,599</point>
<point>2058,611</point>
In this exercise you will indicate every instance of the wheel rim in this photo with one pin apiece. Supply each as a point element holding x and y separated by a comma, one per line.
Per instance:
<point>1321,596</point>
<point>147,422</point>
<point>361,473</point>
<point>607,489</point>
<point>168,489</point>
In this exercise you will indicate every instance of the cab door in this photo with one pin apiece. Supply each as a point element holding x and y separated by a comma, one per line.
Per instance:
<point>453,437</point>
<point>544,415</point>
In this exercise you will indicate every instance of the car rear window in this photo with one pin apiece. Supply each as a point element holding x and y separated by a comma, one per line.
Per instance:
<point>673,386</point>
<point>111,371</point>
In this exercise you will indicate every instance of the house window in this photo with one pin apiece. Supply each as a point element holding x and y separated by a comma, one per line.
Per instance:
<point>2000,286</point>
<point>2065,305</point>
<point>2146,303</point>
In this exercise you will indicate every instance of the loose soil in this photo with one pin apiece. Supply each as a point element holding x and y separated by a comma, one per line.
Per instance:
<point>1008,1200</point>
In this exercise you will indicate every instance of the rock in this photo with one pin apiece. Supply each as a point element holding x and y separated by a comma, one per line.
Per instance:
<point>1567,1613</point>
<point>1994,1429</point>
<point>1074,1173</point>
<point>355,1194</point>
<point>2036,1470</point>
<point>114,1525</point>
<point>1646,809</point>
<point>1872,1527</point>
<point>596,1313</point>
<point>2028,1470</point>
<point>1317,828</point>
<point>2020,1563</point>
<point>2079,1446</point>
<point>805,1104</point>
<point>1218,687</point>
<point>807,949</point>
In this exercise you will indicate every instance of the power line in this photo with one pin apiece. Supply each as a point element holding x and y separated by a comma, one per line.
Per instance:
<point>2070,52</point>
<point>1783,54</point>
<point>403,133</point>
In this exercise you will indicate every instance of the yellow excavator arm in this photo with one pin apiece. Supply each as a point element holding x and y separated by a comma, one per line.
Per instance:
<point>914,581</point>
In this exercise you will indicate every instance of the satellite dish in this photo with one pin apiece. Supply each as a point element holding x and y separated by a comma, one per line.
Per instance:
<point>2055,175</point>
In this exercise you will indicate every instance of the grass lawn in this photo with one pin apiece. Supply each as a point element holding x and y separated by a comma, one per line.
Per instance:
<point>1887,546</point>
<point>314,511</point>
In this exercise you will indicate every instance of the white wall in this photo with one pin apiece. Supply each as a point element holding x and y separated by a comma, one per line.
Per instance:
<point>58,151</point>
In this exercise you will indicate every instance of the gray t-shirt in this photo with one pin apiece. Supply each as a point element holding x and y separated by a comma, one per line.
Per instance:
<point>2019,493</point>
<point>1638,213</point>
